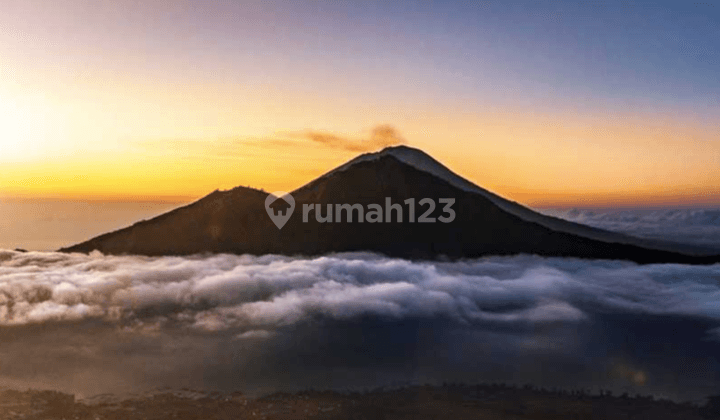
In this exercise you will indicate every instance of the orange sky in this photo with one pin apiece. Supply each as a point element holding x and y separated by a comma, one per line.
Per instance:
<point>141,111</point>
<point>540,160</point>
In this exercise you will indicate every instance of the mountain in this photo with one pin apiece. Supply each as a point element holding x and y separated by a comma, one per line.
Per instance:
<point>236,221</point>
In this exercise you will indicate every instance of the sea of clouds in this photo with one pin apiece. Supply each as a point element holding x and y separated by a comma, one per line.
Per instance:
<point>696,226</point>
<point>95,323</point>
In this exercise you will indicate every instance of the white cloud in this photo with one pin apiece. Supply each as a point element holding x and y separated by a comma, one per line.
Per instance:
<point>692,226</point>
<point>281,319</point>
<point>225,291</point>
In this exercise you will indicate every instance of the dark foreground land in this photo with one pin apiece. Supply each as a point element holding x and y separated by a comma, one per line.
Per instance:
<point>421,402</point>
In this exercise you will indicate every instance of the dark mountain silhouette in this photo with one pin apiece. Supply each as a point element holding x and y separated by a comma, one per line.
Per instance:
<point>236,221</point>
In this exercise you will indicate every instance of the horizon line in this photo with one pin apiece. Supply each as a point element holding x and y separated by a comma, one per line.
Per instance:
<point>93,198</point>
<point>582,203</point>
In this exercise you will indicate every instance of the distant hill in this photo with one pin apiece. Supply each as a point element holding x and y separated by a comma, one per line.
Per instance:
<point>236,221</point>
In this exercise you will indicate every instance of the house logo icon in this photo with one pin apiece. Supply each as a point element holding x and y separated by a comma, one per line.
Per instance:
<point>279,206</point>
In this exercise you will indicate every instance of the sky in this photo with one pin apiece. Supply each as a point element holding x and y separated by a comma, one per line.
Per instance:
<point>557,104</point>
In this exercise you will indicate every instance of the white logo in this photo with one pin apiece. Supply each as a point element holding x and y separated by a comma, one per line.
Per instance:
<point>279,213</point>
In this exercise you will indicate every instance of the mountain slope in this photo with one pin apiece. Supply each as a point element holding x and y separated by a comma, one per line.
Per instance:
<point>235,221</point>
<point>424,162</point>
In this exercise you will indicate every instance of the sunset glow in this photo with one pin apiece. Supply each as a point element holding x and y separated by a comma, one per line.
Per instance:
<point>172,100</point>
<point>359,209</point>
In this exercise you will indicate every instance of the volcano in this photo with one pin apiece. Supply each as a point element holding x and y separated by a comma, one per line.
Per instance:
<point>236,221</point>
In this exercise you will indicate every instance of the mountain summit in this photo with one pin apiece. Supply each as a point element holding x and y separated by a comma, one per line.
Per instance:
<point>391,181</point>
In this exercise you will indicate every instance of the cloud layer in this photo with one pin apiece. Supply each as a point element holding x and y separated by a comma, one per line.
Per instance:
<point>226,292</point>
<point>493,318</point>
<point>692,226</point>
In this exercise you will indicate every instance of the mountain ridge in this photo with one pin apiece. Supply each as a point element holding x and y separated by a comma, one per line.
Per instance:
<point>235,221</point>
<point>423,161</point>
